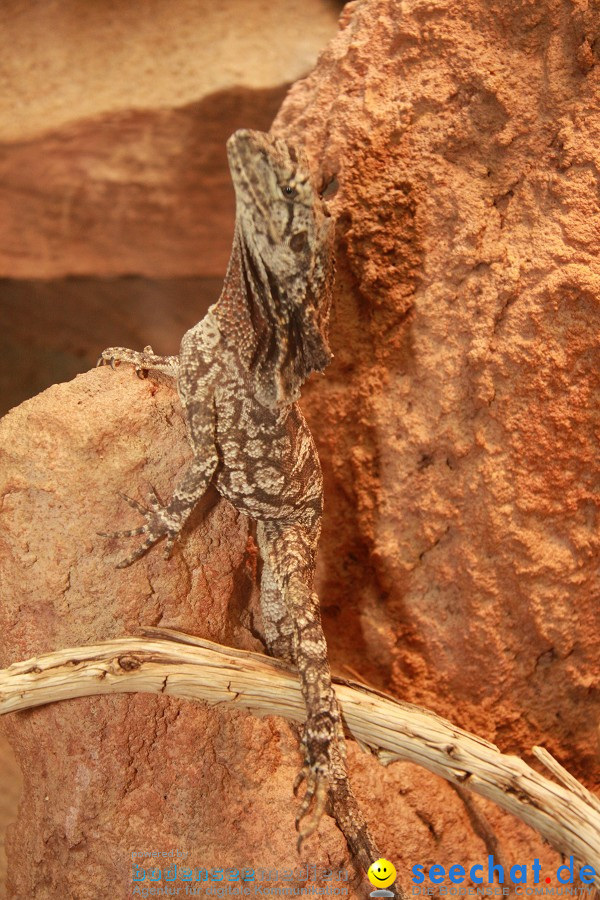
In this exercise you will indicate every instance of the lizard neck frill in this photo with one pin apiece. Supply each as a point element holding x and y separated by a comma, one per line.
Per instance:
<point>275,331</point>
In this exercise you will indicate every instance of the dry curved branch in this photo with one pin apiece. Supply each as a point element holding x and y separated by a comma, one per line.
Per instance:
<point>567,815</point>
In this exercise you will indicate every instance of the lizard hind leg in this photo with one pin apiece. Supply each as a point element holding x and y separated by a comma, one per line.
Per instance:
<point>278,630</point>
<point>277,624</point>
<point>292,624</point>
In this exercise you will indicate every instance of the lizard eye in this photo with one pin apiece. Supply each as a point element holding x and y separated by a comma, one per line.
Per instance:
<point>289,191</point>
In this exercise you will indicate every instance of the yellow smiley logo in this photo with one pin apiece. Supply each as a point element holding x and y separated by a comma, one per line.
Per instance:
<point>381,873</point>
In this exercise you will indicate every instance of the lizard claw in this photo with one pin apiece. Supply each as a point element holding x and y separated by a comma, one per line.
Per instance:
<point>300,777</point>
<point>106,361</point>
<point>133,503</point>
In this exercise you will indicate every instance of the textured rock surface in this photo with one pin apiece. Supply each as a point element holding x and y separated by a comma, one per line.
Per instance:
<point>11,784</point>
<point>459,438</point>
<point>459,424</point>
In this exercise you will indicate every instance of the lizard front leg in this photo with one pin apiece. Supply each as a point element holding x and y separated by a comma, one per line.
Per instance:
<point>166,521</point>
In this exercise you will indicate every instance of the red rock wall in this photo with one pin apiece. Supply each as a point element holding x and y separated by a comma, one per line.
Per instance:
<point>459,423</point>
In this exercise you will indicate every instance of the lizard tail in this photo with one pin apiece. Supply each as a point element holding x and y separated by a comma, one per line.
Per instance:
<point>351,822</point>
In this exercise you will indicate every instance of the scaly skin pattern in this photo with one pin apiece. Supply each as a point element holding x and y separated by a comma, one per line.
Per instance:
<point>238,374</point>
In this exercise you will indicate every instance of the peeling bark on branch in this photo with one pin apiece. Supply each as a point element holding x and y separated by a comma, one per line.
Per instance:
<point>176,664</point>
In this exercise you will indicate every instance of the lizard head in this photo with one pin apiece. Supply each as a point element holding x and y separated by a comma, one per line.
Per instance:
<point>285,238</point>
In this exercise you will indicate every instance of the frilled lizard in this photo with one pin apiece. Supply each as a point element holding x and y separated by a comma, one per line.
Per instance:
<point>238,374</point>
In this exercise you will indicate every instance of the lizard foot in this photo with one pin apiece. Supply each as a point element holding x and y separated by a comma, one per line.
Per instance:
<point>114,356</point>
<point>312,805</point>
<point>159,524</point>
<point>321,744</point>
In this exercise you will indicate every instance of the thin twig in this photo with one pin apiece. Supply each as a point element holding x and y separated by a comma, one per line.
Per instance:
<point>565,777</point>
